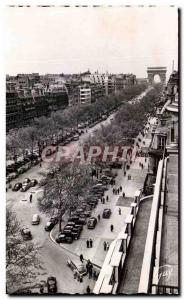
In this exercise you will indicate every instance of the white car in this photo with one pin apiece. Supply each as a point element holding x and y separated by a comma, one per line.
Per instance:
<point>35,219</point>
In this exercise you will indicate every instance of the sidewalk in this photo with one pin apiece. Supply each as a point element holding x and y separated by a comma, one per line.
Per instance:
<point>102,231</point>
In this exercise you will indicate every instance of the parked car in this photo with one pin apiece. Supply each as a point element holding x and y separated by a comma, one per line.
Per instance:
<point>78,226</point>
<point>78,266</point>
<point>33,182</point>
<point>106,213</point>
<point>75,137</point>
<point>17,186</point>
<point>25,187</point>
<point>81,221</point>
<point>71,224</point>
<point>26,180</point>
<point>73,219</point>
<point>26,234</point>
<point>87,213</point>
<point>76,233</point>
<point>68,227</point>
<point>49,226</point>
<point>35,219</point>
<point>91,223</point>
<point>54,220</point>
<point>51,285</point>
<point>63,238</point>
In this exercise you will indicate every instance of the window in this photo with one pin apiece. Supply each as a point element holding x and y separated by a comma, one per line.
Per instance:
<point>161,142</point>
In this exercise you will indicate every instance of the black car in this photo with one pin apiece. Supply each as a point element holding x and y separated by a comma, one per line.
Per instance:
<point>49,226</point>
<point>26,234</point>
<point>51,285</point>
<point>76,233</point>
<point>73,219</point>
<point>91,223</point>
<point>63,238</point>
<point>33,182</point>
<point>78,226</point>
<point>54,220</point>
<point>106,213</point>
<point>81,221</point>
<point>17,186</point>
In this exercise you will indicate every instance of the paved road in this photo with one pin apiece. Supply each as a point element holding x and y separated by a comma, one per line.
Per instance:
<point>53,256</point>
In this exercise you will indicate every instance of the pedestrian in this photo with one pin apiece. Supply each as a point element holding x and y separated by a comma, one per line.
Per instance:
<point>120,188</point>
<point>119,210</point>
<point>111,228</point>
<point>103,200</point>
<point>40,164</point>
<point>118,191</point>
<point>107,198</point>
<point>113,190</point>
<point>88,290</point>
<point>145,159</point>
<point>94,275</point>
<point>41,289</point>
<point>90,272</point>
<point>87,243</point>
<point>124,173</point>
<point>99,217</point>
<point>81,258</point>
<point>105,246</point>
<point>75,274</point>
<point>123,194</point>
<point>79,277</point>
<point>30,198</point>
<point>108,246</point>
<point>90,243</point>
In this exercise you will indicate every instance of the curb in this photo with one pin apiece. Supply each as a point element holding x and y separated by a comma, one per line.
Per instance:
<point>69,251</point>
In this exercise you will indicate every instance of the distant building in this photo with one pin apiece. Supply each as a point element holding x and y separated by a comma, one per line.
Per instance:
<point>27,99</point>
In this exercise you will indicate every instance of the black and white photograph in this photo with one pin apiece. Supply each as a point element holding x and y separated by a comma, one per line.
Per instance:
<point>92,106</point>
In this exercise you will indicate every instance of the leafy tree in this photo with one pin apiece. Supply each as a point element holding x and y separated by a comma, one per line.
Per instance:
<point>23,264</point>
<point>63,189</point>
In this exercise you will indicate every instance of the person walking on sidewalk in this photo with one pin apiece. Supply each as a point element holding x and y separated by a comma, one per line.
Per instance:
<point>87,243</point>
<point>120,188</point>
<point>111,228</point>
<point>90,271</point>
<point>107,198</point>
<point>105,246</point>
<point>123,194</point>
<point>108,246</point>
<point>98,217</point>
<point>119,210</point>
<point>90,243</point>
<point>88,290</point>
<point>30,198</point>
<point>81,258</point>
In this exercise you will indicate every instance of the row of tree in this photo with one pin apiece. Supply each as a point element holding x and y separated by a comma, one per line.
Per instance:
<point>128,121</point>
<point>18,140</point>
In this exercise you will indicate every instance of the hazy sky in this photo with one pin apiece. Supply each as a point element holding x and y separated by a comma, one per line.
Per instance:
<point>70,40</point>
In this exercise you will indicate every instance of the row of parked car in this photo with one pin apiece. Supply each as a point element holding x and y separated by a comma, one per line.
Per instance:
<point>83,215</point>
<point>25,185</point>
<point>13,170</point>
